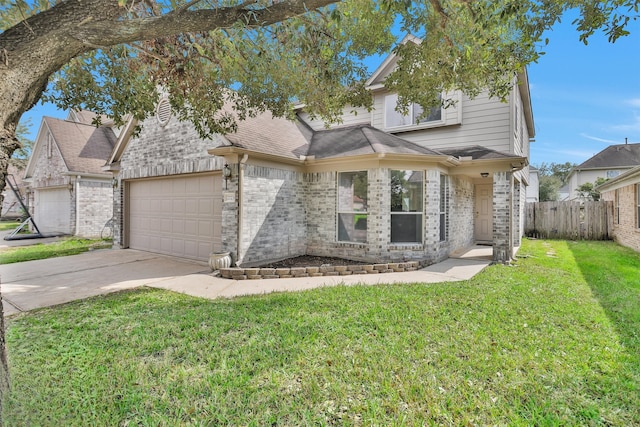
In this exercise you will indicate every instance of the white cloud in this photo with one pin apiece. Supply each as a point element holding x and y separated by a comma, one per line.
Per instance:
<point>632,127</point>
<point>635,102</point>
<point>595,138</point>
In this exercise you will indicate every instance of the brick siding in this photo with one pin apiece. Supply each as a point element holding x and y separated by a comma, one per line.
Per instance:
<point>96,207</point>
<point>626,232</point>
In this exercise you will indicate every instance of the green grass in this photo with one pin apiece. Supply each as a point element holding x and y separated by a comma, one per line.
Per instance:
<point>551,340</point>
<point>8,225</point>
<point>69,246</point>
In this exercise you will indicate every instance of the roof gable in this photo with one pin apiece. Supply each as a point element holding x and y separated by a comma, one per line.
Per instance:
<point>84,148</point>
<point>387,66</point>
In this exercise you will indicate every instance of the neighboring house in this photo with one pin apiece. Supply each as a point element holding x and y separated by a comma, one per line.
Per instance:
<point>608,163</point>
<point>11,207</point>
<point>379,187</point>
<point>564,192</point>
<point>69,192</point>
<point>533,190</point>
<point>624,192</point>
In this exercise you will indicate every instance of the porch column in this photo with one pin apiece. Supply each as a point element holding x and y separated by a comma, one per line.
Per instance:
<point>502,217</point>
<point>432,215</point>
<point>230,212</point>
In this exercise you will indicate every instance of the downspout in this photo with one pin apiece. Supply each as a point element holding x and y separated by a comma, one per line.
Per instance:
<point>241,167</point>
<point>77,205</point>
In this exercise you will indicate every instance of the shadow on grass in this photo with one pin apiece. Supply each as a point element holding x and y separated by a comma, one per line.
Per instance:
<point>613,274</point>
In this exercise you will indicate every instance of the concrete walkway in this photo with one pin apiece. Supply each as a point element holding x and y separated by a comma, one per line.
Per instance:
<point>35,284</point>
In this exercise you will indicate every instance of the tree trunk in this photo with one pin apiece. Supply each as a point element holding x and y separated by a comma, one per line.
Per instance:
<point>34,49</point>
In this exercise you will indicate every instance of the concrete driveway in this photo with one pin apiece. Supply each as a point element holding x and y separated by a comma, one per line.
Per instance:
<point>52,281</point>
<point>35,284</point>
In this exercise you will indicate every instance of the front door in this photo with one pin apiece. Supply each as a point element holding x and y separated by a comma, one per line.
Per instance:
<point>484,213</point>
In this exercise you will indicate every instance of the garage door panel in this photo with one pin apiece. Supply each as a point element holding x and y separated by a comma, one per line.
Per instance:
<point>184,218</point>
<point>52,210</point>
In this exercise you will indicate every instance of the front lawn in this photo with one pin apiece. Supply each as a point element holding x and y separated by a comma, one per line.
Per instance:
<point>552,340</point>
<point>8,225</point>
<point>65,247</point>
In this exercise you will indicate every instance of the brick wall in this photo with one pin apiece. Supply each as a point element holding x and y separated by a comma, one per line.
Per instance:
<point>320,192</point>
<point>48,171</point>
<point>519,200</point>
<point>626,232</point>
<point>502,221</point>
<point>322,211</point>
<point>96,207</point>
<point>461,218</point>
<point>273,215</point>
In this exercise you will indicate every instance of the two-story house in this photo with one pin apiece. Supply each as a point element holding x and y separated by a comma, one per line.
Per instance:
<point>607,164</point>
<point>380,186</point>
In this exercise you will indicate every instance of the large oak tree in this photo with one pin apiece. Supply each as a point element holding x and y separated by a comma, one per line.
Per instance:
<point>113,56</point>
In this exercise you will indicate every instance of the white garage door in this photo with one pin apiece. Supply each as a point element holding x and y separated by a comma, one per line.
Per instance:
<point>180,216</point>
<point>53,210</point>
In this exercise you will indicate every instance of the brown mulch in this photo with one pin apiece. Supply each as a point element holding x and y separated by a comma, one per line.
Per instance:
<point>310,261</point>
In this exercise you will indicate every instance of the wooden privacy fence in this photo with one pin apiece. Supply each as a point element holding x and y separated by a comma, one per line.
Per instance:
<point>569,220</point>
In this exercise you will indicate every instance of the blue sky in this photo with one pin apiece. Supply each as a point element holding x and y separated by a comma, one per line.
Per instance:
<point>584,98</point>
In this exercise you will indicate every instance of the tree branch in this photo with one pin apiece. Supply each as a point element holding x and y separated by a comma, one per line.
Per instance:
<point>112,32</point>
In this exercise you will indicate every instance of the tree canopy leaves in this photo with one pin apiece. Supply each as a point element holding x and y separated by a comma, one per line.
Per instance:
<point>313,57</point>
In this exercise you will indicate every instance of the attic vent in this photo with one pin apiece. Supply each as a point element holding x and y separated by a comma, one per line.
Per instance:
<point>163,112</point>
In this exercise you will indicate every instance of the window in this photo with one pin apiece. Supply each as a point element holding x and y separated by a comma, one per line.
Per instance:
<point>638,205</point>
<point>617,207</point>
<point>406,206</point>
<point>395,119</point>
<point>49,146</point>
<point>612,174</point>
<point>352,206</point>
<point>444,207</point>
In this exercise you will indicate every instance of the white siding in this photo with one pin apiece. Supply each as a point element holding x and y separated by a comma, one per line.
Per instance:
<point>484,122</point>
<point>350,117</point>
<point>582,177</point>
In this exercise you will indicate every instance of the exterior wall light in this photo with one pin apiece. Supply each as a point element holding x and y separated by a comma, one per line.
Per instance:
<point>226,172</point>
<point>484,174</point>
<point>114,182</point>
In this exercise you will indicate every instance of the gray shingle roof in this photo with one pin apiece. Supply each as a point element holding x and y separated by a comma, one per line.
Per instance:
<point>84,148</point>
<point>361,139</point>
<point>271,135</point>
<point>619,155</point>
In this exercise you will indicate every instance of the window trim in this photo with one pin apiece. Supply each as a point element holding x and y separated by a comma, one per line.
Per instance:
<point>420,213</point>
<point>443,208</point>
<point>422,125</point>
<point>339,211</point>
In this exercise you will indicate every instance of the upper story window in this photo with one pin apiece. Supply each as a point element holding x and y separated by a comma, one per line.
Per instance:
<point>352,206</point>
<point>406,206</point>
<point>395,119</point>
<point>612,174</point>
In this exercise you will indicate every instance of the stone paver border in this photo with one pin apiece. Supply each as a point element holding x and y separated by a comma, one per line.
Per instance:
<point>254,273</point>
